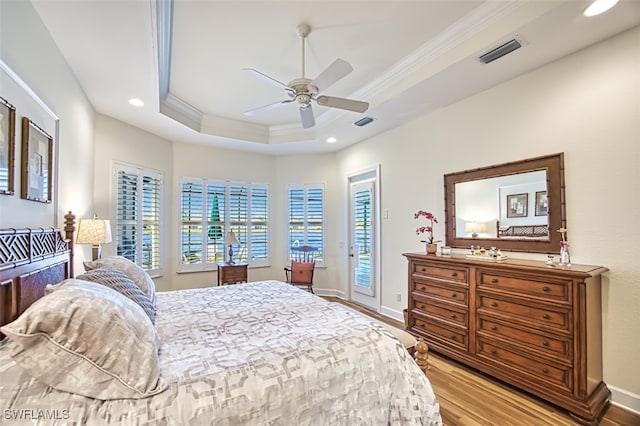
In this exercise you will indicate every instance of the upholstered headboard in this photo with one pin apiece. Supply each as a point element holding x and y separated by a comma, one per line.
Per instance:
<point>30,259</point>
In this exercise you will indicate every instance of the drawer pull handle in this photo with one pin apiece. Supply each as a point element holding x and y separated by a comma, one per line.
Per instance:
<point>423,269</point>
<point>454,295</point>
<point>545,343</point>
<point>453,337</point>
<point>494,304</point>
<point>453,316</point>
<point>454,274</point>
<point>493,351</point>
<point>494,281</point>
<point>545,370</point>
<point>545,288</point>
<point>545,316</point>
<point>494,328</point>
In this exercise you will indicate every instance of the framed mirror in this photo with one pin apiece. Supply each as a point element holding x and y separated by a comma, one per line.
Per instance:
<point>517,206</point>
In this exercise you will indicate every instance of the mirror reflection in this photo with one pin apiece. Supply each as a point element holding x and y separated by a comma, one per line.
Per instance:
<point>512,206</point>
<point>516,206</point>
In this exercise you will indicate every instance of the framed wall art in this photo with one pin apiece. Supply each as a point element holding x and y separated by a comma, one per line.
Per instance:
<point>517,205</point>
<point>37,166</point>
<point>7,146</point>
<point>541,203</point>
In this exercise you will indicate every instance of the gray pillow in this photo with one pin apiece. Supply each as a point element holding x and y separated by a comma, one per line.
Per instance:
<point>121,283</point>
<point>130,269</point>
<point>90,340</point>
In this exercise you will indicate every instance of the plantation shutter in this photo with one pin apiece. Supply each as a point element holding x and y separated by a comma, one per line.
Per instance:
<point>210,209</point>
<point>138,215</point>
<point>306,219</point>
<point>258,231</point>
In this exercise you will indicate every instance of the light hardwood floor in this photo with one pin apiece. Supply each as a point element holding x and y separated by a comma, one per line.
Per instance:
<point>469,398</point>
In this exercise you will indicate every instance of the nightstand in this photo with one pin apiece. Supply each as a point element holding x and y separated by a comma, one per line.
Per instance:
<point>232,273</point>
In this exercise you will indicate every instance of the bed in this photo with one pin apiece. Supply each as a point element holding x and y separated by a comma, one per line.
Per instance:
<point>522,231</point>
<point>257,353</point>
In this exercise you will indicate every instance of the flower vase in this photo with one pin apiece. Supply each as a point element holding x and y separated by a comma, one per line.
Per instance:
<point>432,248</point>
<point>565,257</point>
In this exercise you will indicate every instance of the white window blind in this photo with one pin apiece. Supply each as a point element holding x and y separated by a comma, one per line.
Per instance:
<point>138,209</point>
<point>210,209</point>
<point>306,219</point>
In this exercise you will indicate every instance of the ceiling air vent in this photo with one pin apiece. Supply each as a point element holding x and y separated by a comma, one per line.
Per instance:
<point>500,51</point>
<point>363,121</point>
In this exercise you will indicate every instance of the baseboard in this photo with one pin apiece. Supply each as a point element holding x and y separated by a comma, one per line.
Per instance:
<point>624,399</point>
<point>392,313</point>
<point>330,292</point>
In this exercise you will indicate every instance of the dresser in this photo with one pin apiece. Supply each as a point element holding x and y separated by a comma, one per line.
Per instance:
<point>232,273</point>
<point>534,326</point>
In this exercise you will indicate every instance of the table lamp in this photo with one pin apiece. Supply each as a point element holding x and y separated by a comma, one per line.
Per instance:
<point>95,232</point>
<point>474,228</point>
<point>231,239</point>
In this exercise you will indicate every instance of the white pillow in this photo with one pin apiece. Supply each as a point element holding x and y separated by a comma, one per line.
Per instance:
<point>130,269</point>
<point>88,339</point>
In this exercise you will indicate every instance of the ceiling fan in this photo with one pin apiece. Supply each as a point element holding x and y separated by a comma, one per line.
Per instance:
<point>304,90</point>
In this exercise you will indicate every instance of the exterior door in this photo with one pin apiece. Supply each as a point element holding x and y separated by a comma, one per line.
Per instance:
<point>363,244</point>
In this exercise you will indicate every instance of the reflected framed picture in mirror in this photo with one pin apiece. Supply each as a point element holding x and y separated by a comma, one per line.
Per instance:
<point>541,203</point>
<point>517,205</point>
<point>7,146</point>
<point>37,167</point>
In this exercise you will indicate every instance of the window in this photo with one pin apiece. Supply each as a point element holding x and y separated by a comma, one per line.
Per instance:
<point>306,218</point>
<point>209,209</point>
<point>138,223</point>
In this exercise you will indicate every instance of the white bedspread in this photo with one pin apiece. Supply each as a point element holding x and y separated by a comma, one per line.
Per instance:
<point>262,353</point>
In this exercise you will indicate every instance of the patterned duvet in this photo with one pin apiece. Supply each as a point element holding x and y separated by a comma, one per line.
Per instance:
<point>262,353</point>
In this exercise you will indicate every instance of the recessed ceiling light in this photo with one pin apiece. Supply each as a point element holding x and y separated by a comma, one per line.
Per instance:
<point>599,6</point>
<point>331,139</point>
<point>136,102</point>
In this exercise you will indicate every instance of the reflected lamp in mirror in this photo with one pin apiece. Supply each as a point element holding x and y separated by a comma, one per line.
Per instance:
<point>474,228</point>
<point>231,240</point>
<point>95,232</point>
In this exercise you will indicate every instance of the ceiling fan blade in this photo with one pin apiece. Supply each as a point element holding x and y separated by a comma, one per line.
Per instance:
<point>306,115</point>
<point>334,72</point>
<point>267,107</point>
<point>268,79</point>
<point>342,103</point>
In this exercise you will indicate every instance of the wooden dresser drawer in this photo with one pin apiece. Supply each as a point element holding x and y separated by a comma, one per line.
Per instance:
<point>442,291</point>
<point>558,346</point>
<point>441,333</point>
<point>456,316</point>
<point>554,374</point>
<point>546,289</point>
<point>546,316</point>
<point>459,275</point>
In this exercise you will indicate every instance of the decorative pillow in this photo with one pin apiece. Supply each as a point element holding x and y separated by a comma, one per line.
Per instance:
<point>88,339</point>
<point>302,272</point>
<point>130,269</point>
<point>121,283</point>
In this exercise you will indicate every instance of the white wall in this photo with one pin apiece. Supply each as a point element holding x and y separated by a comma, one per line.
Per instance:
<point>199,161</point>
<point>587,106</point>
<point>117,141</point>
<point>311,169</point>
<point>28,49</point>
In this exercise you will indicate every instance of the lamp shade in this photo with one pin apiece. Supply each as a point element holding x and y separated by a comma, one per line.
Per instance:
<point>94,231</point>
<point>231,239</point>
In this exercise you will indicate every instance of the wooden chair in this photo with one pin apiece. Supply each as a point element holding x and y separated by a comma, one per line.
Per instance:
<point>302,267</point>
